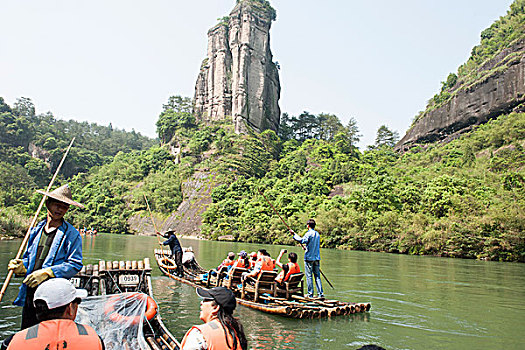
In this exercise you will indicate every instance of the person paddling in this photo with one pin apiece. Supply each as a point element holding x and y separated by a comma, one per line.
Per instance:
<point>221,330</point>
<point>54,249</point>
<point>176,250</point>
<point>312,258</point>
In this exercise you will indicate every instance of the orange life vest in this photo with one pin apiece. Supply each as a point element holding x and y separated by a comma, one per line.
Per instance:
<point>267,263</point>
<point>213,334</point>
<point>239,263</point>
<point>227,262</point>
<point>292,268</point>
<point>56,334</point>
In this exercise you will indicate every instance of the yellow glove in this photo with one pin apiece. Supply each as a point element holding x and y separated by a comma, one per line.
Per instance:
<point>17,266</point>
<point>37,277</point>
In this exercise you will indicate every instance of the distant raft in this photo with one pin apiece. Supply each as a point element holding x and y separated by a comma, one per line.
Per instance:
<point>264,294</point>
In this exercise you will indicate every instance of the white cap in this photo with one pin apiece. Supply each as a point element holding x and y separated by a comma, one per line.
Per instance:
<point>58,292</point>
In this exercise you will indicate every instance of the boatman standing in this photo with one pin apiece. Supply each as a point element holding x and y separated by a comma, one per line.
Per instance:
<point>312,258</point>
<point>176,250</point>
<point>54,249</point>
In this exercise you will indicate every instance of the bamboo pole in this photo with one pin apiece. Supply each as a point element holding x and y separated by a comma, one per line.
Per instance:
<point>35,218</point>
<point>302,245</point>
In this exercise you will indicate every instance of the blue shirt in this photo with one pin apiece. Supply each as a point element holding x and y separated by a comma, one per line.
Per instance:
<point>312,240</point>
<point>64,257</point>
<point>174,244</point>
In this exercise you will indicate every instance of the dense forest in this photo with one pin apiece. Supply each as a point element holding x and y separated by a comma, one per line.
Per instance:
<point>31,147</point>
<point>460,199</point>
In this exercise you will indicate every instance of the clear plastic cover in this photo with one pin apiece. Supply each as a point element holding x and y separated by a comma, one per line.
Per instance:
<point>117,319</point>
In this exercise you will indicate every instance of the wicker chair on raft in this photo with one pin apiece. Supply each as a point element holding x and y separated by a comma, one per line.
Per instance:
<point>215,277</point>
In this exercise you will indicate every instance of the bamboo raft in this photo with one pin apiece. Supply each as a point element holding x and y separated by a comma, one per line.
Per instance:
<point>113,277</point>
<point>295,305</point>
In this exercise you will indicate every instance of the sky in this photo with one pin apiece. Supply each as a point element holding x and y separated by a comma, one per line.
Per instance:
<point>118,61</point>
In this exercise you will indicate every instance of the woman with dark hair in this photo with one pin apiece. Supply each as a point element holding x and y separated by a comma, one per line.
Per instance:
<point>221,330</point>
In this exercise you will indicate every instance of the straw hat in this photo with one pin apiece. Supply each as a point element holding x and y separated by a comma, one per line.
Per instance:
<point>62,194</point>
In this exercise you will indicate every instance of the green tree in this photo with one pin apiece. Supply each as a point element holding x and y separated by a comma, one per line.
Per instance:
<point>24,107</point>
<point>176,115</point>
<point>386,137</point>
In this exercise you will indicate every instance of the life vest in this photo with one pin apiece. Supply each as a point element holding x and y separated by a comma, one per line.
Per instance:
<point>227,262</point>
<point>56,334</point>
<point>239,263</point>
<point>267,263</point>
<point>213,334</point>
<point>292,268</point>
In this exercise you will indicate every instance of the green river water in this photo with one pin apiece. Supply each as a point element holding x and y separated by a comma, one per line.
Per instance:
<point>417,302</point>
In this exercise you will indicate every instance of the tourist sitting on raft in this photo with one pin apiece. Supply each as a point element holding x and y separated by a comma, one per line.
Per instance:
<point>242,261</point>
<point>253,259</point>
<point>188,257</point>
<point>264,263</point>
<point>229,261</point>
<point>226,263</point>
<point>287,269</point>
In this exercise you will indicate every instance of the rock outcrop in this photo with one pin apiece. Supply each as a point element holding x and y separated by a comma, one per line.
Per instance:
<point>186,220</point>
<point>239,79</point>
<point>499,90</point>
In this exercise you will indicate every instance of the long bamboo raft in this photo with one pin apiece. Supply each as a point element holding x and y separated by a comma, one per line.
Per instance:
<point>295,305</point>
<point>113,277</point>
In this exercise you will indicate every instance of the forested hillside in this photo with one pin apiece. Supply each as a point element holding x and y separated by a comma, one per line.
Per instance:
<point>31,147</point>
<point>502,34</point>
<point>463,199</point>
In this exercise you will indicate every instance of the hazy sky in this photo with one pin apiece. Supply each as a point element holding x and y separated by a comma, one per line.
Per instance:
<point>119,61</point>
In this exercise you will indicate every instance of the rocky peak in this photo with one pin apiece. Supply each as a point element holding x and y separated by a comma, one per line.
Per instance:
<point>238,78</point>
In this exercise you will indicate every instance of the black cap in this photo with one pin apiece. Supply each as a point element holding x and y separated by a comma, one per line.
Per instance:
<point>222,296</point>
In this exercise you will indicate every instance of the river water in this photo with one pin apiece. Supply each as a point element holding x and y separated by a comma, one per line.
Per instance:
<point>417,302</point>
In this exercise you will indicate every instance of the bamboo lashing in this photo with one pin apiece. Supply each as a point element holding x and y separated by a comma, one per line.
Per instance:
<point>33,222</point>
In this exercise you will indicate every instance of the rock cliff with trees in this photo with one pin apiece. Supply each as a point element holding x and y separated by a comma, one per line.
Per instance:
<point>238,79</point>
<point>491,83</point>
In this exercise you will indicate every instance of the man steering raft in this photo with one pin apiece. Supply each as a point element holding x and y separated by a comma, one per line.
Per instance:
<point>54,249</point>
<point>312,258</point>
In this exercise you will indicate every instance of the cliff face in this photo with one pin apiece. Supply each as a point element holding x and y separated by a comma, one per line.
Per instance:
<point>239,79</point>
<point>499,90</point>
